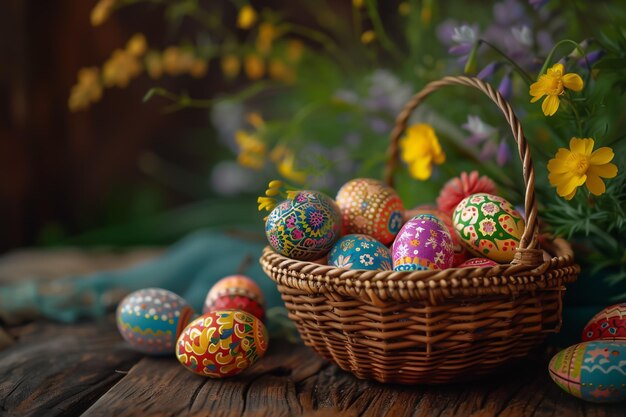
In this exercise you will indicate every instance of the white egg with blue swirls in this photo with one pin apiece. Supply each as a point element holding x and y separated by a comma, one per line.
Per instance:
<point>360,252</point>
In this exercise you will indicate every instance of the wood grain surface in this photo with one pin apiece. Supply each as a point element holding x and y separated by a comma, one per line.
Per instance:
<point>86,369</point>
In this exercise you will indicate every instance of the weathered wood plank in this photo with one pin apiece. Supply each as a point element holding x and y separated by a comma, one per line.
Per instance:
<point>292,381</point>
<point>55,370</point>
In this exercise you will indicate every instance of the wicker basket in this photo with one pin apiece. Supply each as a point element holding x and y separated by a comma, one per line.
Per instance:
<point>430,326</point>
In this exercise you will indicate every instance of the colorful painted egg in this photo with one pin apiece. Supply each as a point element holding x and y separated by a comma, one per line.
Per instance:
<point>477,263</point>
<point>423,243</point>
<point>304,228</point>
<point>461,254</point>
<point>222,343</point>
<point>489,226</point>
<point>151,319</point>
<point>609,324</point>
<point>360,252</point>
<point>593,371</point>
<point>370,207</point>
<point>236,292</point>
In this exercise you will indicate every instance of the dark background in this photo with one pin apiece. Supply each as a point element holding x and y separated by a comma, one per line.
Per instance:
<point>62,172</point>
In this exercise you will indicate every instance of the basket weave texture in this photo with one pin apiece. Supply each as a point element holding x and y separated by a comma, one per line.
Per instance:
<point>431,326</point>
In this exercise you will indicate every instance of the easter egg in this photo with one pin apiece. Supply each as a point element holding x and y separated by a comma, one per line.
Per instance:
<point>222,343</point>
<point>477,263</point>
<point>593,371</point>
<point>360,252</point>
<point>151,319</point>
<point>423,243</point>
<point>461,254</point>
<point>236,292</point>
<point>489,226</point>
<point>608,324</point>
<point>305,227</point>
<point>370,207</point>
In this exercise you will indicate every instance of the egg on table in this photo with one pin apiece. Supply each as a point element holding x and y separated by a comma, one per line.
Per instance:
<point>423,243</point>
<point>370,207</point>
<point>461,254</point>
<point>360,252</point>
<point>608,324</point>
<point>236,292</point>
<point>477,263</point>
<point>151,319</point>
<point>593,371</point>
<point>305,227</point>
<point>489,226</point>
<point>222,343</point>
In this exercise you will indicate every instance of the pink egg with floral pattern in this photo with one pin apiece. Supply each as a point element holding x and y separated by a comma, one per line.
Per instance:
<point>608,324</point>
<point>423,243</point>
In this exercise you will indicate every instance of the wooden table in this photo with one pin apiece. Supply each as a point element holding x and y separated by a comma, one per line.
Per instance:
<point>86,369</point>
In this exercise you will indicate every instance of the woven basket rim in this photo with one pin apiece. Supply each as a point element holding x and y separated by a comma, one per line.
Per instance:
<point>452,283</point>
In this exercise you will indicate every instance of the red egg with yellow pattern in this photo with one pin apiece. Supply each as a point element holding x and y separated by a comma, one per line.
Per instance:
<point>222,343</point>
<point>236,292</point>
<point>608,324</point>
<point>461,254</point>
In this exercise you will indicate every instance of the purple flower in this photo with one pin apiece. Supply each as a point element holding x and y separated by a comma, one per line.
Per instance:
<point>506,87</point>
<point>592,58</point>
<point>503,154</point>
<point>537,4</point>
<point>488,151</point>
<point>487,72</point>
<point>507,12</point>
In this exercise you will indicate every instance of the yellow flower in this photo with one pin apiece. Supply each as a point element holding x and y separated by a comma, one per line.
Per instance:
<point>426,13</point>
<point>101,12</point>
<point>177,61</point>
<point>231,66</point>
<point>287,169</point>
<point>279,71</point>
<point>267,34</point>
<point>267,203</point>
<point>88,89</point>
<point>368,36</point>
<point>295,49</point>
<point>251,150</point>
<point>137,45</point>
<point>420,148</point>
<point>553,84</point>
<point>580,165</point>
<point>154,65</point>
<point>255,120</point>
<point>254,66</point>
<point>357,4</point>
<point>246,18</point>
<point>198,68</point>
<point>278,153</point>
<point>120,69</point>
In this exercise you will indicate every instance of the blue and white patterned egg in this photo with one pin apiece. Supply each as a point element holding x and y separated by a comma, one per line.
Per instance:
<point>423,243</point>
<point>305,227</point>
<point>151,319</point>
<point>593,371</point>
<point>360,252</point>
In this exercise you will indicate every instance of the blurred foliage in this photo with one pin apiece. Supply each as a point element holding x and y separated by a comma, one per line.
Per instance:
<point>315,88</point>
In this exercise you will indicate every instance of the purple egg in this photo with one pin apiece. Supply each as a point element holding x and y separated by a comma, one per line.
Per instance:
<point>423,243</point>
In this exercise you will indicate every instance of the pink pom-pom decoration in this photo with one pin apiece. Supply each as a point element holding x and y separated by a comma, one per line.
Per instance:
<point>462,186</point>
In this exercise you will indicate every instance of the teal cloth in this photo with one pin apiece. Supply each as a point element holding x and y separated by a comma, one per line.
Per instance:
<point>189,268</point>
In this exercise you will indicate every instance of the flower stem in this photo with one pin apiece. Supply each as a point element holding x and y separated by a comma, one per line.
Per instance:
<point>316,36</point>
<point>548,60</point>
<point>372,11</point>
<point>510,60</point>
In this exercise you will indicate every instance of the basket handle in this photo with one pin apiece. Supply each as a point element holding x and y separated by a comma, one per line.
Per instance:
<point>527,252</point>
